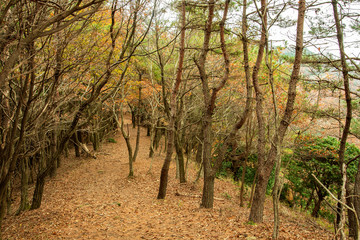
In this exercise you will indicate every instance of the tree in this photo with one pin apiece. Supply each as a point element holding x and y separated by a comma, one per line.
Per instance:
<point>344,65</point>
<point>209,98</point>
<point>346,129</point>
<point>22,24</point>
<point>266,163</point>
<point>173,109</point>
<point>63,85</point>
<point>317,156</point>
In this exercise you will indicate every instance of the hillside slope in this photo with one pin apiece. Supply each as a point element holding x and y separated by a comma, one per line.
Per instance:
<point>94,199</point>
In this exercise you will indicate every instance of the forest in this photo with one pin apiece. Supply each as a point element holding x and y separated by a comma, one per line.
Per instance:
<point>233,113</point>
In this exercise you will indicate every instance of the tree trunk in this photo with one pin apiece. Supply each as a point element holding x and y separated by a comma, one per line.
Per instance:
<point>256,214</point>
<point>243,182</point>
<point>2,211</point>
<point>3,204</point>
<point>198,157</point>
<point>133,115</point>
<point>276,198</point>
<point>148,130</point>
<point>152,142</point>
<point>158,135</point>
<point>345,131</point>
<point>265,164</point>
<point>38,192</point>
<point>207,200</point>
<point>257,206</point>
<point>24,204</point>
<point>166,165</point>
<point>44,170</point>
<point>180,157</point>
<point>153,135</point>
<point>356,198</point>
<point>8,197</point>
<point>253,185</point>
<point>95,141</point>
<point>208,189</point>
<point>353,229</point>
<point>210,96</point>
<point>316,209</point>
<point>131,168</point>
<point>52,152</point>
<point>173,108</point>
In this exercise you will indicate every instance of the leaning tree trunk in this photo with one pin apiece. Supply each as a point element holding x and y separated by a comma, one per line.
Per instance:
<point>180,157</point>
<point>40,180</point>
<point>173,109</point>
<point>38,192</point>
<point>210,167</point>
<point>265,167</point>
<point>25,172</point>
<point>258,200</point>
<point>316,209</point>
<point>76,144</point>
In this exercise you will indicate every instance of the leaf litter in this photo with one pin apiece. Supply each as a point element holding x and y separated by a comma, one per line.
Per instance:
<point>94,199</point>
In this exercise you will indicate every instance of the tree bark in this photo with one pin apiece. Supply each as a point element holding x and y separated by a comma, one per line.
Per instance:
<point>207,200</point>
<point>180,156</point>
<point>38,192</point>
<point>353,232</point>
<point>24,204</point>
<point>316,209</point>
<point>356,198</point>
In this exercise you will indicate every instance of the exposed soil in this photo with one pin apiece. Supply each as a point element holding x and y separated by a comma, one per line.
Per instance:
<point>94,199</point>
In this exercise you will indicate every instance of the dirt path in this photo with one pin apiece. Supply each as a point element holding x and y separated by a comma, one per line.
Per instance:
<point>94,199</point>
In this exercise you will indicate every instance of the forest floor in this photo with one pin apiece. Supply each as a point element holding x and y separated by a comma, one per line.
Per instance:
<point>94,199</point>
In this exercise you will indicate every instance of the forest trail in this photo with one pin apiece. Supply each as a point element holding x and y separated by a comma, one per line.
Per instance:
<point>94,199</point>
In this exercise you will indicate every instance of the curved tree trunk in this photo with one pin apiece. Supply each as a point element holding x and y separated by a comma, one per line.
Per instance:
<point>257,206</point>
<point>266,164</point>
<point>210,95</point>
<point>316,209</point>
<point>173,109</point>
